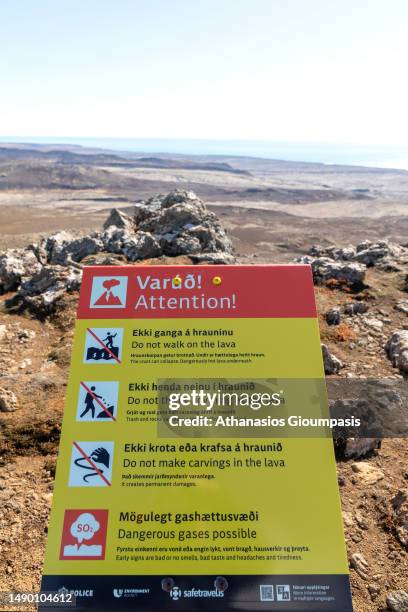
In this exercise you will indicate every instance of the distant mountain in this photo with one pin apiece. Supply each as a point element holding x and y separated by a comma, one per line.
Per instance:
<point>64,156</point>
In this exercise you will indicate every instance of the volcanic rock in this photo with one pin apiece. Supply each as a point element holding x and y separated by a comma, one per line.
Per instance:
<point>174,225</point>
<point>354,308</point>
<point>141,246</point>
<point>325,269</point>
<point>8,401</point>
<point>382,251</point>
<point>14,264</point>
<point>397,601</point>
<point>332,365</point>
<point>41,291</point>
<point>400,515</point>
<point>333,316</point>
<point>119,219</point>
<point>367,473</point>
<point>182,225</point>
<point>360,564</point>
<point>397,350</point>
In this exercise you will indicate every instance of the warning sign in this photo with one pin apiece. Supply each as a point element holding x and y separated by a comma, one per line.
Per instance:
<point>196,467</point>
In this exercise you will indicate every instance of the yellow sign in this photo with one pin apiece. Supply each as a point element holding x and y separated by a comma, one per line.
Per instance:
<point>187,471</point>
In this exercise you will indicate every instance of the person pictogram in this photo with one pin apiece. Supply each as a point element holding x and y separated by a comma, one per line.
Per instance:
<point>97,400</point>
<point>89,403</point>
<point>109,340</point>
<point>103,344</point>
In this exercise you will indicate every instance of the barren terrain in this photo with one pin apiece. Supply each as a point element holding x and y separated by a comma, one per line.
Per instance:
<point>273,212</point>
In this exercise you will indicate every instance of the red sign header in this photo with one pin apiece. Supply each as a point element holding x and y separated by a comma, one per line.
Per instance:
<point>146,292</point>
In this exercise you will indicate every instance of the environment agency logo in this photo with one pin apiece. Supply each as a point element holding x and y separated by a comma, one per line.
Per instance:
<point>109,292</point>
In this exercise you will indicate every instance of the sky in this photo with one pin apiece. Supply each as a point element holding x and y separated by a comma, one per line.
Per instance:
<point>296,70</point>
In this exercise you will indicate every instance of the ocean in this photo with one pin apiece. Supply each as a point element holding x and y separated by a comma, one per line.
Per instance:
<point>328,153</point>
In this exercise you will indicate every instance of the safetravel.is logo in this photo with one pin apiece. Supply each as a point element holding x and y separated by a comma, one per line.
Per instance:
<point>176,593</point>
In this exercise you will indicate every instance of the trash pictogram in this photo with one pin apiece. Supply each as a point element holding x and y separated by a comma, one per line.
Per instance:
<point>97,401</point>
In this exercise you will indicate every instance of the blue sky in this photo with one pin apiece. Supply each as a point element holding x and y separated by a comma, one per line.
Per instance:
<point>314,70</point>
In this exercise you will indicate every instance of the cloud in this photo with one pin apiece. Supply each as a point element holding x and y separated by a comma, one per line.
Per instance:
<point>85,527</point>
<point>110,282</point>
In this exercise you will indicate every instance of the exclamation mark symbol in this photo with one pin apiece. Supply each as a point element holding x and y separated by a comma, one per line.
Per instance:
<point>199,281</point>
<point>233,300</point>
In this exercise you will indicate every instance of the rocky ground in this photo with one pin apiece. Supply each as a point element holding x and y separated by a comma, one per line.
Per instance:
<point>362,299</point>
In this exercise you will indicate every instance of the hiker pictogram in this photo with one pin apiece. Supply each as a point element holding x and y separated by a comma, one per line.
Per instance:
<point>91,464</point>
<point>84,534</point>
<point>97,401</point>
<point>109,340</point>
<point>108,292</point>
<point>103,345</point>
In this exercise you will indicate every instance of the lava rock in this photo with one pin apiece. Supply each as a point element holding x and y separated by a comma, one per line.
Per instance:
<point>173,225</point>
<point>379,405</point>
<point>354,308</point>
<point>343,254</point>
<point>14,264</point>
<point>355,448</point>
<point>397,350</point>
<point>3,332</point>
<point>400,515</point>
<point>381,253</point>
<point>333,316</point>
<point>8,401</point>
<point>141,246</point>
<point>63,248</point>
<point>332,365</point>
<point>218,258</point>
<point>397,601</point>
<point>371,253</point>
<point>182,225</point>
<point>325,269</point>
<point>55,244</point>
<point>114,239</point>
<point>367,474</point>
<point>360,564</point>
<point>43,290</point>
<point>402,306</point>
<point>117,218</point>
<point>80,248</point>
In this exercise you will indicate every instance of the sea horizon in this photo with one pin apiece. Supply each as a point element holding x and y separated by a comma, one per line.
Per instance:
<point>379,156</point>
